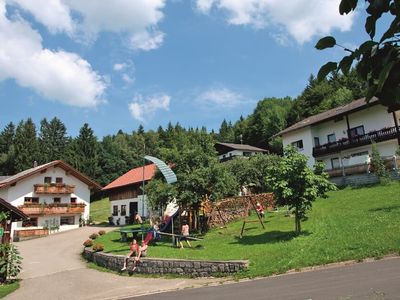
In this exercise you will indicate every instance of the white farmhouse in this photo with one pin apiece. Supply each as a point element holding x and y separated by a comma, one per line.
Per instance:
<point>227,151</point>
<point>125,194</point>
<point>54,196</point>
<point>342,137</point>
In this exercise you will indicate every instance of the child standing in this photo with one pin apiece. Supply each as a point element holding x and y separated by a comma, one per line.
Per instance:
<point>185,234</point>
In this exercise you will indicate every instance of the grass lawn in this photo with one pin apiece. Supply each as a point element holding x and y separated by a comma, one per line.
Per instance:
<point>350,224</point>
<point>8,288</point>
<point>100,210</point>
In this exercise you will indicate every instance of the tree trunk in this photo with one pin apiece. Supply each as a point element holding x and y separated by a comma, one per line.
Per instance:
<point>297,221</point>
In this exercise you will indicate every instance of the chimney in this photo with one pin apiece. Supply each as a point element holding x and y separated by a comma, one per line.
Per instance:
<point>35,164</point>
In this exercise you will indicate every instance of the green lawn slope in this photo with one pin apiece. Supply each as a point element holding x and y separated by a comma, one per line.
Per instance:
<point>349,224</point>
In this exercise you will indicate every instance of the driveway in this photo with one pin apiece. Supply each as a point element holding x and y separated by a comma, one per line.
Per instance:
<point>53,269</point>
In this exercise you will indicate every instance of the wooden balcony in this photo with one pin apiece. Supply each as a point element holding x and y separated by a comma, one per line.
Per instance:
<point>54,188</point>
<point>52,209</point>
<point>377,136</point>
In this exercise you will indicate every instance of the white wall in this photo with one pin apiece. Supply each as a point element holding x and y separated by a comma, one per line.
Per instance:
<point>126,202</point>
<point>305,135</point>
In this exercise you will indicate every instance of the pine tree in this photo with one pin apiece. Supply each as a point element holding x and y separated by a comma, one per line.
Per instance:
<point>26,146</point>
<point>7,150</point>
<point>53,140</point>
<point>86,159</point>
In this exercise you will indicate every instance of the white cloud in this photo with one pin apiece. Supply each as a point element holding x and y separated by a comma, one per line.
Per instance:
<point>147,40</point>
<point>119,66</point>
<point>137,20</point>
<point>220,98</point>
<point>54,14</point>
<point>128,79</point>
<point>57,75</point>
<point>301,19</point>
<point>144,108</point>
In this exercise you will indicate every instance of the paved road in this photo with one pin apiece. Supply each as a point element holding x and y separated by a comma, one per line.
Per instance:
<point>376,280</point>
<point>53,269</point>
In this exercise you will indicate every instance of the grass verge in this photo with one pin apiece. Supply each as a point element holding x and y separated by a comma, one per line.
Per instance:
<point>352,224</point>
<point>8,288</point>
<point>100,211</point>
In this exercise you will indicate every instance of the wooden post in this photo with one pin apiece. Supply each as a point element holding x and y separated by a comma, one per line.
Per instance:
<point>396,123</point>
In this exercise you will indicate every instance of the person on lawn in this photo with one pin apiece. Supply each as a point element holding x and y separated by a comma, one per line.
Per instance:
<point>185,234</point>
<point>260,210</point>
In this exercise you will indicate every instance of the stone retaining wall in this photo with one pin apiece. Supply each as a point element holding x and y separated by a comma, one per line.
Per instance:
<point>192,268</point>
<point>361,179</point>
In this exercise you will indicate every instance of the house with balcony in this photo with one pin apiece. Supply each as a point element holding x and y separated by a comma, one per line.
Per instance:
<point>54,196</point>
<point>126,196</point>
<point>341,137</point>
<point>227,151</point>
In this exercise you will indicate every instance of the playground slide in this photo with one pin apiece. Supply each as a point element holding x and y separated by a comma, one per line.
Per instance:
<point>169,213</point>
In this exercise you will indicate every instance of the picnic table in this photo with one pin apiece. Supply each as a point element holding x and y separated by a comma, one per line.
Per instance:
<point>134,231</point>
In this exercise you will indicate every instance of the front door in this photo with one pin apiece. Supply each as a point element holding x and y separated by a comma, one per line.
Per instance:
<point>133,209</point>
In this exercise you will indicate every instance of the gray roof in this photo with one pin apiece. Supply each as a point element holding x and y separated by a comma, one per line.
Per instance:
<point>59,163</point>
<point>242,147</point>
<point>331,114</point>
<point>22,174</point>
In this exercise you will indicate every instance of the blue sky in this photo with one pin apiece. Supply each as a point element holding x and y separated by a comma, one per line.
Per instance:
<point>118,64</point>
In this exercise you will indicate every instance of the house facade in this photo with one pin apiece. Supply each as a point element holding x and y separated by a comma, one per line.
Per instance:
<point>54,196</point>
<point>342,137</point>
<point>125,194</point>
<point>227,151</point>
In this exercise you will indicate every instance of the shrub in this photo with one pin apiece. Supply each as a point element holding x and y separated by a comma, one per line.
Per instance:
<point>88,243</point>
<point>10,262</point>
<point>93,236</point>
<point>98,247</point>
<point>101,232</point>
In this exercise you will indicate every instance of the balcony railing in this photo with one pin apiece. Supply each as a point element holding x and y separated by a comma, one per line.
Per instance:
<point>52,209</point>
<point>391,163</point>
<point>357,141</point>
<point>54,188</point>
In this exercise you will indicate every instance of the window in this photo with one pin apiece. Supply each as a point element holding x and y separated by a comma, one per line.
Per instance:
<point>31,222</point>
<point>73,200</point>
<point>335,163</point>
<point>59,180</point>
<point>331,138</point>
<point>356,131</point>
<point>47,179</point>
<point>57,200</point>
<point>123,210</point>
<point>298,144</point>
<point>316,142</point>
<point>30,200</point>
<point>115,210</point>
<point>68,220</point>
<point>247,154</point>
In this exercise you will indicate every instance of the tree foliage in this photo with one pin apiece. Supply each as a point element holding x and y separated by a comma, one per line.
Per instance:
<point>296,185</point>
<point>377,59</point>
<point>26,146</point>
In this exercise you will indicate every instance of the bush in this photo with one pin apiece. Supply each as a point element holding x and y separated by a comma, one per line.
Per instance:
<point>98,247</point>
<point>93,236</point>
<point>88,243</point>
<point>10,262</point>
<point>101,232</point>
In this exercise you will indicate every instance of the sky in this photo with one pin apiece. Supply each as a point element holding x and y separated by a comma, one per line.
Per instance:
<point>118,64</point>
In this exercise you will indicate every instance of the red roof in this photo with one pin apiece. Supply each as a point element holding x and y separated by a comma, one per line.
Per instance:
<point>133,176</point>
